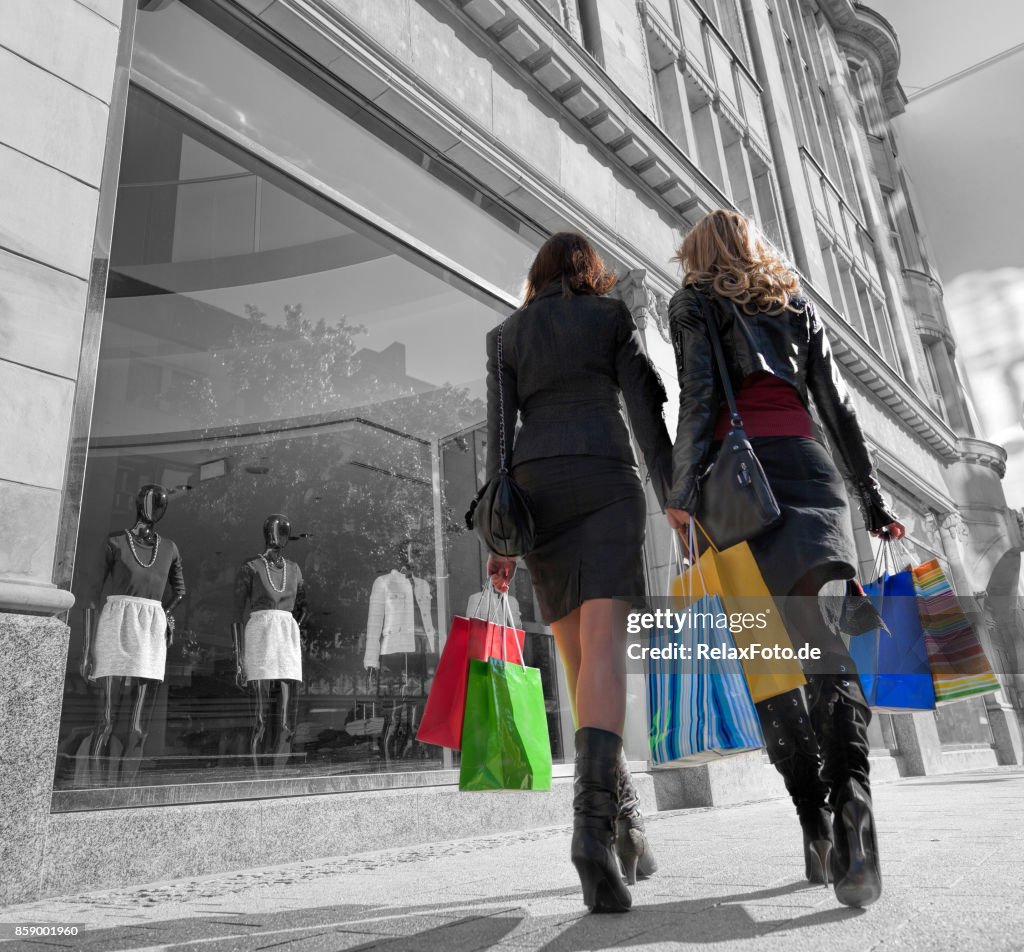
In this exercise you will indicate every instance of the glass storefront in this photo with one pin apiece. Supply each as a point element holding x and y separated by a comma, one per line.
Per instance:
<point>267,351</point>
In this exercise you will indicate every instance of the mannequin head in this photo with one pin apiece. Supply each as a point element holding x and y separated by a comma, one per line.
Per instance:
<point>151,504</point>
<point>276,531</point>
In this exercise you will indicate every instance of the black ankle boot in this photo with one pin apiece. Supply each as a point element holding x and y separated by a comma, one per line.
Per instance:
<point>634,852</point>
<point>595,807</point>
<point>793,750</point>
<point>840,717</point>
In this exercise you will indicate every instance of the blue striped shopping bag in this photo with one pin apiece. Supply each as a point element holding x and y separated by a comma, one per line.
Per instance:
<point>699,707</point>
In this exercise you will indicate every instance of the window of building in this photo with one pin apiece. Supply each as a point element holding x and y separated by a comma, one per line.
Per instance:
<point>726,16</point>
<point>590,28</point>
<point>266,350</point>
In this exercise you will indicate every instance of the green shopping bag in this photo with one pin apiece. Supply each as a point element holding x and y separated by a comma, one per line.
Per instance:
<point>505,743</point>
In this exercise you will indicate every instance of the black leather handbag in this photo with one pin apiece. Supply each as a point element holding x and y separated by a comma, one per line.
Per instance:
<point>735,503</point>
<point>500,512</point>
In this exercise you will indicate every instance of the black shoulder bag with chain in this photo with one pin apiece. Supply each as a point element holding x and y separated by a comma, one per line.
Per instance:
<point>500,513</point>
<point>735,503</point>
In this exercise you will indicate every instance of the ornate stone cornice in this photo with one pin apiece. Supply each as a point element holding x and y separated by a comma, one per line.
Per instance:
<point>861,30</point>
<point>855,354</point>
<point>569,74</point>
<point>983,453</point>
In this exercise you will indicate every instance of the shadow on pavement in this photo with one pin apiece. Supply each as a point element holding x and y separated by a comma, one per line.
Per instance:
<point>459,927</point>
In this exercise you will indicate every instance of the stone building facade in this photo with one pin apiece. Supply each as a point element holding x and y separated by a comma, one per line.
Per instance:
<point>250,251</point>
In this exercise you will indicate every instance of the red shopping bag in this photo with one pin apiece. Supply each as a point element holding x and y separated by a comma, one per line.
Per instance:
<point>446,703</point>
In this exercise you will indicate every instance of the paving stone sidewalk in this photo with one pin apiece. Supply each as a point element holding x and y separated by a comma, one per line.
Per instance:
<point>730,879</point>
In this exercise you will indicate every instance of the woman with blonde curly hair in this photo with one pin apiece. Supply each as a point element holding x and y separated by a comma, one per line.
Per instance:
<point>779,360</point>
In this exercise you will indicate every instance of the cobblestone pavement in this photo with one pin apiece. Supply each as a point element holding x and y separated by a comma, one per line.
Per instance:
<point>730,878</point>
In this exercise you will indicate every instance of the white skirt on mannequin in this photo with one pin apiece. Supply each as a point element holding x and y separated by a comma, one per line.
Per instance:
<point>131,639</point>
<point>272,650</point>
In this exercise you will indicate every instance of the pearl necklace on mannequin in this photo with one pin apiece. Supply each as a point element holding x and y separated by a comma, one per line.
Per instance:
<point>135,554</point>
<point>284,574</point>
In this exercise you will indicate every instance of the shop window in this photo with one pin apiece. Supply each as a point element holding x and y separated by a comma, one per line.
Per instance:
<point>266,351</point>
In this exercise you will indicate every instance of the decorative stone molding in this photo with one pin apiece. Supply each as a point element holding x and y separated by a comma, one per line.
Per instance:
<point>646,305</point>
<point>953,524</point>
<point>577,84</point>
<point>852,351</point>
<point>983,453</point>
<point>932,332</point>
<point>667,45</point>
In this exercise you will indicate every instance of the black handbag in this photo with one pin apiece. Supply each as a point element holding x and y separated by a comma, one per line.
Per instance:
<point>500,512</point>
<point>735,503</point>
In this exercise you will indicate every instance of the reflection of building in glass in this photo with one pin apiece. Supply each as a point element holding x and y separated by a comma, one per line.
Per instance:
<point>269,293</point>
<point>987,312</point>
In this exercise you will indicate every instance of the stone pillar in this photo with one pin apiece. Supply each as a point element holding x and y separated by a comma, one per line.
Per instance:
<point>61,119</point>
<point>53,133</point>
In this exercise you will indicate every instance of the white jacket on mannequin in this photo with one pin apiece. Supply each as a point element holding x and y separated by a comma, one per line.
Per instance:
<point>391,624</point>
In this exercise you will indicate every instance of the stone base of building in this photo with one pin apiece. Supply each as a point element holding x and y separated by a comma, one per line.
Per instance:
<point>34,651</point>
<point>745,778</point>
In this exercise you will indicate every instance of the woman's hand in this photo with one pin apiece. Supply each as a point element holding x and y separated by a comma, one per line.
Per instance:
<point>678,519</point>
<point>500,571</point>
<point>895,530</point>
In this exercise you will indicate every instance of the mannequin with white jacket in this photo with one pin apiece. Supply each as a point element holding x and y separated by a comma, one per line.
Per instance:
<point>391,621</point>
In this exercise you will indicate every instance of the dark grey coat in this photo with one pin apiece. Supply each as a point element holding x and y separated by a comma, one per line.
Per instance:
<point>566,363</point>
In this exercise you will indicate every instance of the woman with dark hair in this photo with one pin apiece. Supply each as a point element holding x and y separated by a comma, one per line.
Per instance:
<point>567,356</point>
<point>779,359</point>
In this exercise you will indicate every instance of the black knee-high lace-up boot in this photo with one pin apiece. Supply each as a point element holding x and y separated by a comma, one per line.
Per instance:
<point>840,717</point>
<point>793,750</point>
<point>595,808</point>
<point>634,852</point>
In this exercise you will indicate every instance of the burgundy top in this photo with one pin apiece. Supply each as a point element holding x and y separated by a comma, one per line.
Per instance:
<point>769,407</point>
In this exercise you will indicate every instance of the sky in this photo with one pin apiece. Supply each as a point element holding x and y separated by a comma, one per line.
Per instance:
<point>962,141</point>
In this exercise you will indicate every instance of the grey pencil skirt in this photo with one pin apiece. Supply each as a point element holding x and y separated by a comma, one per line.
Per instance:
<point>590,513</point>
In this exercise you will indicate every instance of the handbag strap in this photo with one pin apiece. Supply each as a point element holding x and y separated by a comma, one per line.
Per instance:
<point>501,404</point>
<point>723,370</point>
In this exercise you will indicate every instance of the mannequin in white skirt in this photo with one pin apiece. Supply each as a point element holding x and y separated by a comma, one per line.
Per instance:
<point>270,604</point>
<point>127,652</point>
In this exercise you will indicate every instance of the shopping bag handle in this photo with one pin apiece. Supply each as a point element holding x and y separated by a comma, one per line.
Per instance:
<point>695,556</point>
<point>506,615</point>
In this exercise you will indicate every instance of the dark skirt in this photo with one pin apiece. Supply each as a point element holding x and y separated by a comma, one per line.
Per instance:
<point>816,535</point>
<point>590,514</point>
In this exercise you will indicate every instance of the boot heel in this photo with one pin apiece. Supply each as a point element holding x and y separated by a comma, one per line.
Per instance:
<point>861,884</point>
<point>634,853</point>
<point>629,868</point>
<point>818,861</point>
<point>600,892</point>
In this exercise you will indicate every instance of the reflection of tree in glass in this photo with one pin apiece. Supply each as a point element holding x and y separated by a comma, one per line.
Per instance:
<point>361,486</point>
<point>298,368</point>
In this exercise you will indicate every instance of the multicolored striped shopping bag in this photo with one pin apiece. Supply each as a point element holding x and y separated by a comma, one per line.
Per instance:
<point>959,666</point>
<point>699,706</point>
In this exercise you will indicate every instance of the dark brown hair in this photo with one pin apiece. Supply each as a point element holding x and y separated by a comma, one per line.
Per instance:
<point>568,257</point>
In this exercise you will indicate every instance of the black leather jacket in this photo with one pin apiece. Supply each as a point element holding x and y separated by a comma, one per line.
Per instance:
<point>566,363</point>
<point>794,348</point>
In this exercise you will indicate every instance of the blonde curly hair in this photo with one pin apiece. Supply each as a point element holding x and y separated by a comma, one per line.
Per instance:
<point>725,252</point>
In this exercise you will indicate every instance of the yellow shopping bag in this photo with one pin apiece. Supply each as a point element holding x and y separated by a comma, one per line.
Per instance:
<point>770,666</point>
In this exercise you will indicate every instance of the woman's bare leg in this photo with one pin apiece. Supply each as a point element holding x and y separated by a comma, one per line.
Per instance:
<point>601,679</point>
<point>567,640</point>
